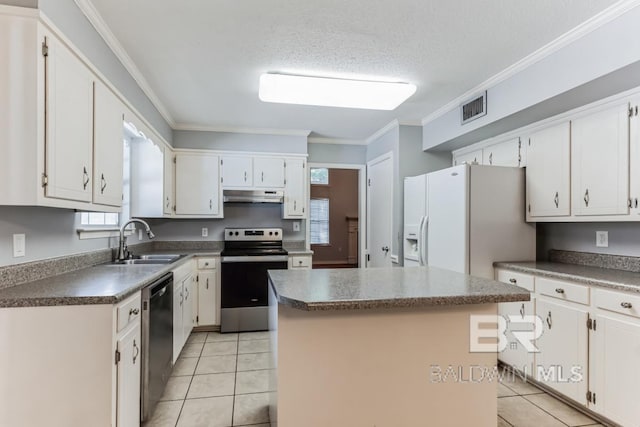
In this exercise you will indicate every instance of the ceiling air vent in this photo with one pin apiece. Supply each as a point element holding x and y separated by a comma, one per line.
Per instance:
<point>474,108</point>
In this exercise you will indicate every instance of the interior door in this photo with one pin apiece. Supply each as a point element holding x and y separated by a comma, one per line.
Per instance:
<point>380,210</point>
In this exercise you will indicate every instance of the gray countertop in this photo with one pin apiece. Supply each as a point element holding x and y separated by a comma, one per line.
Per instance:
<point>595,276</point>
<point>348,289</point>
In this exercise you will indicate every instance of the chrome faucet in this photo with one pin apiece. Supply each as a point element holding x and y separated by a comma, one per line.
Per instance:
<point>123,253</point>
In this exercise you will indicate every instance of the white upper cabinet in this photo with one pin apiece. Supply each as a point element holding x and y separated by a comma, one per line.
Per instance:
<point>149,160</point>
<point>600,162</point>
<point>237,171</point>
<point>505,153</point>
<point>197,185</point>
<point>69,125</point>
<point>295,200</point>
<point>473,157</point>
<point>634,156</point>
<point>107,146</point>
<point>268,172</point>
<point>549,172</point>
<point>168,174</point>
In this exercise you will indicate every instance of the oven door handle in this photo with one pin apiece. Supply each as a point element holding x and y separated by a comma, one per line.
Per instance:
<point>255,258</point>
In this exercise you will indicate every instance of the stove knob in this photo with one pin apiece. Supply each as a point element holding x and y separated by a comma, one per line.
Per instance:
<point>231,233</point>
<point>271,233</point>
<point>237,233</point>
<point>276,233</point>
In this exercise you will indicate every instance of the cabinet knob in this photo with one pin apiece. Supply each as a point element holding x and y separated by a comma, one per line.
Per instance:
<point>512,280</point>
<point>207,283</point>
<point>300,262</point>
<point>134,312</point>
<point>626,304</point>
<point>560,290</point>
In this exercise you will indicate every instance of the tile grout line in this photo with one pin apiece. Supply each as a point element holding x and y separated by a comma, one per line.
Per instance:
<point>190,381</point>
<point>235,382</point>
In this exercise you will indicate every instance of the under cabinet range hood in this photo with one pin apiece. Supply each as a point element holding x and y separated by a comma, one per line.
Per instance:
<point>253,196</point>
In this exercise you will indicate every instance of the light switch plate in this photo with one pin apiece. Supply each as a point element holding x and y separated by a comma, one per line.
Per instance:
<point>296,225</point>
<point>602,239</point>
<point>19,245</point>
<point>205,232</point>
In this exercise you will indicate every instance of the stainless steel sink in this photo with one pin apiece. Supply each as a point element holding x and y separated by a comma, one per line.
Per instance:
<point>149,259</point>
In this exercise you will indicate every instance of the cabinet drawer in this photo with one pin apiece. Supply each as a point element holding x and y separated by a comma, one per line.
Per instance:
<point>519,279</point>
<point>618,302</point>
<point>128,311</point>
<point>206,263</point>
<point>300,262</point>
<point>565,291</point>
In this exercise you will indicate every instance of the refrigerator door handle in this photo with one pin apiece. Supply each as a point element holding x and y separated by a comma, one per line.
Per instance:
<point>420,240</point>
<point>424,225</point>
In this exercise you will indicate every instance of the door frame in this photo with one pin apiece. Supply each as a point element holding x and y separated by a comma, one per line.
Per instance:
<point>362,202</point>
<point>379,159</point>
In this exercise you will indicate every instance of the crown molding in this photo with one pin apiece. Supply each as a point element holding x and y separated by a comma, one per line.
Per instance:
<point>251,131</point>
<point>27,12</point>
<point>392,124</point>
<point>609,14</point>
<point>94,17</point>
<point>336,141</point>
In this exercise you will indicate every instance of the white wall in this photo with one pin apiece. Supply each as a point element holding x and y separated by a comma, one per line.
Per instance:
<point>611,47</point>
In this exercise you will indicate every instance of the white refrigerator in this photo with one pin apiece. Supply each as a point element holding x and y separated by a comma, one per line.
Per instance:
<point>476,217</point>
<point>415,214</point>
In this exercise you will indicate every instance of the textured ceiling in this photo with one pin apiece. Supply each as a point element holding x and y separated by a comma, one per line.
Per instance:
<point>203,58</point>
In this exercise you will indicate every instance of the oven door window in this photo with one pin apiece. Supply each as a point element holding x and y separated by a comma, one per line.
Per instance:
<point>246,284</point>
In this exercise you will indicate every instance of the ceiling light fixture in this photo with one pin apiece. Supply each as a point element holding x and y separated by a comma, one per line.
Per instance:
<point>331,92</point>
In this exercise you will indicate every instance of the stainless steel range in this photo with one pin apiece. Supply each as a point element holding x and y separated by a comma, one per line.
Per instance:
<point>247,255</point>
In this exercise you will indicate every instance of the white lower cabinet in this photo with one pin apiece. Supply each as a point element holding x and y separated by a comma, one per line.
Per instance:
<point>184,297</point>
<point>516,354</point>
<point>208,292</point>
<point>300,262</point>
<point>128,388</point>
<point>71,365</point>
<point>615,357</point>
<point>562,361</point>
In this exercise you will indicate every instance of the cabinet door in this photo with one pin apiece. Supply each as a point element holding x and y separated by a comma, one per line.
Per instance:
<point>147,178</point>
<point>505,153</point>
<point>189,309</point>
<point>548,172</point>
<point>69,125</point>
<point>237,171</point>
<point>178,328</point>
<point>516,354</point>
<point>128,385</point>
<point>616,368</point>
<point>472,158</point>
<point>634,157</point>
<point>168,172</point>
<point>108,137</point>
<point>295,193</point>
<point>197,184</point>
<point>268,172</point>
<point>600,162</point>
<point>207,297</point>
<point>563,347</point>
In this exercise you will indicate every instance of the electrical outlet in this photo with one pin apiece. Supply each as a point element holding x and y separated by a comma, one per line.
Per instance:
<point>19,245</point>
<point>602,239</point>
<point>205,232</point>
<point>296,225</point>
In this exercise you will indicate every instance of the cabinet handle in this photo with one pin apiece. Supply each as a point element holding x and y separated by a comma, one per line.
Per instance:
<point>626,304</point>
<point>522,310</point>
<point>134,312</point>
<point>512,280</point>
<point>85,180</point>
<point>181,297</point>
<point>586,198</point>
<point>207,283</point>
<point>490,158</point>
<point>245,176</point>
<point>556,199</point>
<point>636,202</point>
<point>560,290</point>
<point>262,176</point>
<point>103,184</point>
<point>294,204</point>
<point>167,201</point>
<point>137,353</point>
<point>385,249</point>
<point>210,204</point>
<point>549,320</point>
<point>186,294</point>
<point>254,299</point>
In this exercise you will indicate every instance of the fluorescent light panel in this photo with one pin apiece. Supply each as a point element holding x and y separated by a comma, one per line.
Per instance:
<point>329,92</point>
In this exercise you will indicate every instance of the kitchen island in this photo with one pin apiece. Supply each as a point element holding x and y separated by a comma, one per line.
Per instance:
<point>382,347</point>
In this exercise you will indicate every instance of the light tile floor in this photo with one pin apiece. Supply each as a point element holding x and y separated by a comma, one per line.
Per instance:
<point>520,404</point>
<point>219,380</point>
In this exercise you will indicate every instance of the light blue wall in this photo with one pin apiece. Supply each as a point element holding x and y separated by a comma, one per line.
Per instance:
<point>66,15</point>
<point>22,3</point>
<point>338,153</point>
<point>240,142</point>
